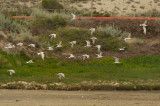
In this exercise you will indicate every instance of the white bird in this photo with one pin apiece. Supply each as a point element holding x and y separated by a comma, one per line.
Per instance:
<point>20,44</point>
<point>71,56</point>
<point>9,46</point>
<point>32,45</point>
<point>116,60</point>
<point>99,55</point>
<point>61,75</point>
<point>72,43</point>
<point>88,43</point>
<point>52,35</point>
<point>50,48</point>
<point>144,27</point>
<point>59,44</point>
<point>85,56</point>
<point>93,39</point>
<point>121,49</point>
<point>129,37</point>
<point>30,61</point>
<point>73,16</point>
<point>11,72</point>
<point>98,47</point>
<point>42,55</point>
<point>92,30</point>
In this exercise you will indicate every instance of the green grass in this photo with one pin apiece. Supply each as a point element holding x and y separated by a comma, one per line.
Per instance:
<point>76,71</point>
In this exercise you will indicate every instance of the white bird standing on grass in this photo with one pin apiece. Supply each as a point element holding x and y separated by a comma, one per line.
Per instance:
<point>121,49</point>
<point>32,45</point>
<point>11,72</point>
<point>59,44</point>
<point>98,47</point>
<point>72,43</point>
<point>42,55</point>
<point>20,44</point>
<point>99,55</point>
<point>88,43</point>
<point>73,16</point>
<point>93,39</point>
<point>144,27</point>
<point>116,60</point>
<point>30,61</point>
<point>129,37</point>
<point>50,48</point>
<point>9,46</point>
<point>85,56</point>
<point>61,75</point>
<point>71,56</point>
<point>92,30</point>
<point>52,35</point>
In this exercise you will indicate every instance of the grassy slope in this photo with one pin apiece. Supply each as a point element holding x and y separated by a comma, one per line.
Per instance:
<point>135,68</point>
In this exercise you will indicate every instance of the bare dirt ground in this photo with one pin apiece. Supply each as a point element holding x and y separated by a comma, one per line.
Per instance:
<point>78,98</point>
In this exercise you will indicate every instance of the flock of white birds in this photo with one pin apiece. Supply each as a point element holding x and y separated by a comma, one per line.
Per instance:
<point>85,56</point>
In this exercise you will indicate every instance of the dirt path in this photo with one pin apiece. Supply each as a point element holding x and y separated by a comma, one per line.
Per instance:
<point>78,98</point>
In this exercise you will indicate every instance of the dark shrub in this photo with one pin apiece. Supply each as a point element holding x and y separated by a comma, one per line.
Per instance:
<point>51,4</point>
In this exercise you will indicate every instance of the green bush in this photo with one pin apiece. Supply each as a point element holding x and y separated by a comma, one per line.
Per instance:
<point>51,4</point>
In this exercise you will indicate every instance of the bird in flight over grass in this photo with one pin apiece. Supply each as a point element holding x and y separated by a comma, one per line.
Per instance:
<point>32,45</point>
<point>72,43</point>
<point>30,61</point>
<point>11,72</point>
<point>71,56</point>
<point>121,49</point>
<point>92,30</point>
<point>98,47</point>
<point>20,44</point>
<point>73,16</point>
<point>93,39</point>
<point>50,48</point>
<point>59,44</point>
<point>129,37</point>
<point>116,60</point>
<point>99,55</point>
<point>52,35</point>
<point>144,27</point>
<point>85,56</point>
<point>42,55</point>
<point>88,43</point>
<point>61,75</point>
<point>9,46</point>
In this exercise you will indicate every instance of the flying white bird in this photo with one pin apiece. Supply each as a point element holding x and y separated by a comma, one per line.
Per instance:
<point>116,60</point>
<point>61,75</point>
<point>88,43</point>
<point>92,30</point>
<point>50,48</point>
<point>99,55</point>
<point>85,56</point>
<point>72,43</point>
<point>98,47</point>
<point>121,49</point>
<point>42,55</point>
<point>59,44</point>
<point>30,61</point>
<point>32,45</point>
<point>9,46</point>
<point>20,44</point>
<point>11,72</point>
<point>93,39</point>
<point>73,16</point>
<point>129,37</point>
<point>71,56</point>
<point>52,35</point>
<point>144,27</point>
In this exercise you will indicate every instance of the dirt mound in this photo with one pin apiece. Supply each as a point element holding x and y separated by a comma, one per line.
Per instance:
<point>133,26</point>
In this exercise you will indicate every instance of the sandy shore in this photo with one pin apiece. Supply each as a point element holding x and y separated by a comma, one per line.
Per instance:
<point>78,98</point>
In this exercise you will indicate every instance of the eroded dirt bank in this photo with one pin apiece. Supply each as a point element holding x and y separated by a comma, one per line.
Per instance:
<point>78,98</point>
